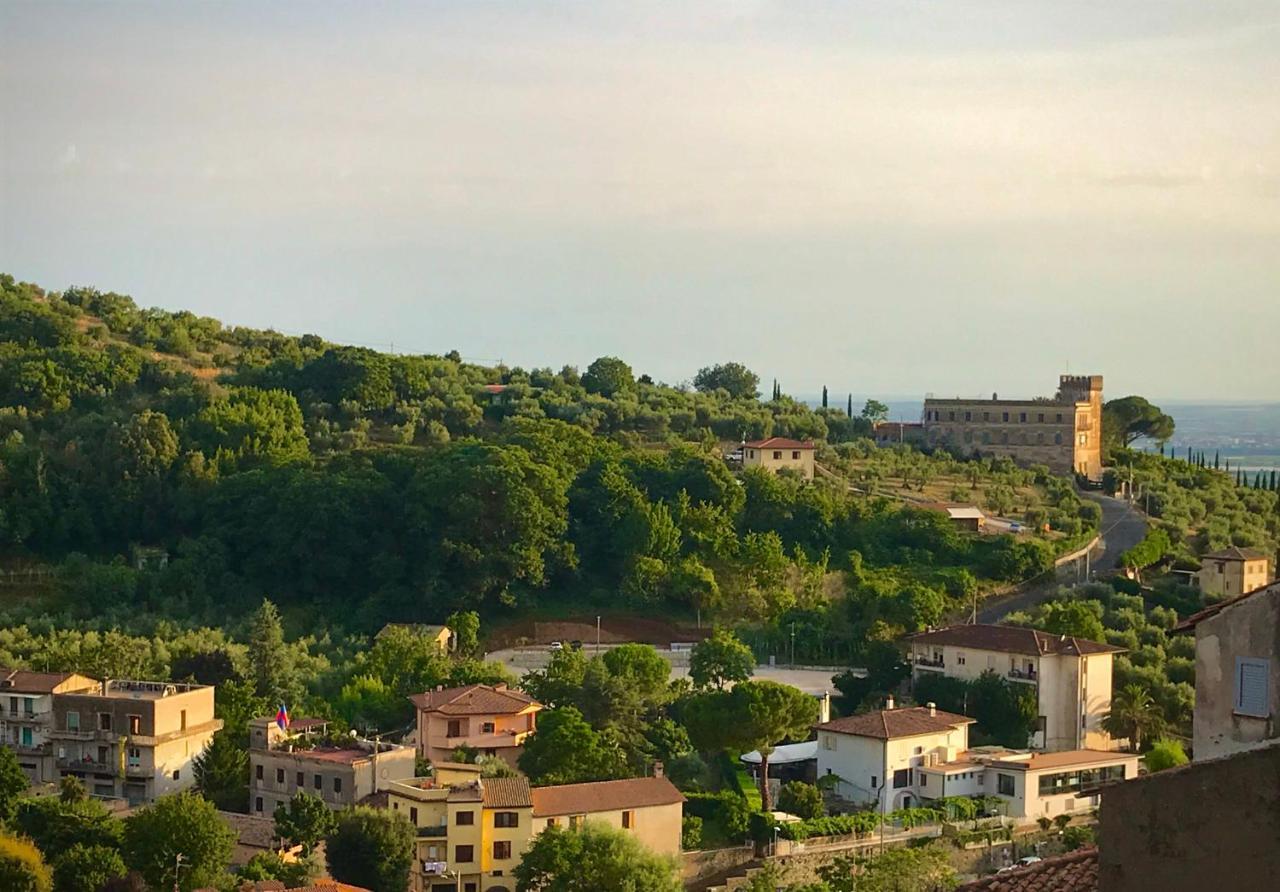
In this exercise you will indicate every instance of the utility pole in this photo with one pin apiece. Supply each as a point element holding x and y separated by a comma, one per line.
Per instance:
<point>598,634</point>
<point>793,644</point>
<point>177,868</point>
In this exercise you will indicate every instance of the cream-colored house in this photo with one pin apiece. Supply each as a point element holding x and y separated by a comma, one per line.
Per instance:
<point>284,762</point>
<point>472,831</point>
<point>492,720</point>
<point>876,757</point>
<point>1237,673</point>
<point>135,740</point>
<point>1233,571</point>
<point>1029,785</point>
<point>26,716</point>
<point>780,454</point>
<point>1071,676</point>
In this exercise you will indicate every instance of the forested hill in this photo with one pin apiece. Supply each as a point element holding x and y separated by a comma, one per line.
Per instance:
<point>368,486</point>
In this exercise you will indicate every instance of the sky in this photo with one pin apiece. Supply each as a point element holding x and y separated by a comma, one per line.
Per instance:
<point>890,198</point>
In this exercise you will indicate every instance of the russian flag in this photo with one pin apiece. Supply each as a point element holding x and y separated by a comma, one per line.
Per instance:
<point>282,718</point>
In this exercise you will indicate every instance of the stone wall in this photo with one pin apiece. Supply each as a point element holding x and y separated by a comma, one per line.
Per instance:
<point>1207,825</point>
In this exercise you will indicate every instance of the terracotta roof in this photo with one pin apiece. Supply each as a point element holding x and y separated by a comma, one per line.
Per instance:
<point>1215,609</point>
<point>27,682</point>
<point>507,792</point>
<point>1236,553</point>
<point>1014,640</point>
<point>277,886</point>
<point>475,699</point>
<point>780,443</point>
<point>1073,872</point>
<point>889,724</point>
<point>577,799</point>
<point>250,830</point>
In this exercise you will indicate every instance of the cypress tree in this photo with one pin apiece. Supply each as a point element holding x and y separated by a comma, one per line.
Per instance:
<point>1273,480</point>
<point>1189,461</point>
<point>824,396</point>
<point>1215,459</point>
<point>849,410</point>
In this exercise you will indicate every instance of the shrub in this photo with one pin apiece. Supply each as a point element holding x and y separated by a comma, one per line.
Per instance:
<point>802,800</point>
<point>1077,837</point>
<point>858,824</point>
<point>691,832</point>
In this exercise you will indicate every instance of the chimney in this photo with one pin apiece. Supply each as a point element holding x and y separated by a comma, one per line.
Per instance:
<point>994,397</point>
<point>659,770</point>
<point>888,702</point>
<point>933,708</point>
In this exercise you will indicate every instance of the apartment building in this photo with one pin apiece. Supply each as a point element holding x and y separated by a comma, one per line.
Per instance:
<point>1233,571</point>
<point>134,740</point>
<point>26,716</point>
<point>899,758</point>
<point>472,831</point>
<point>492,720</point>
<point>303,759</point>
<point>779,454</point>
<point>1237,673</point>
<point>1071,676</point>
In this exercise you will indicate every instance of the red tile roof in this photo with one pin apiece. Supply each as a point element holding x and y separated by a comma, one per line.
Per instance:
<point>889,724</point>
<point>1073,872</point>
<point>1215,609</point>
<point>780,443</point>
<point>1236,553</point>
<point>474,699</point>
<point>1014,640</point>
<point>615,795</point>
<point>28,682</point>
<point>507,792</point>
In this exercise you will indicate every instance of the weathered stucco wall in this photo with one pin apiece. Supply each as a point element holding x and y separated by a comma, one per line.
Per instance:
<point>1209,825</point>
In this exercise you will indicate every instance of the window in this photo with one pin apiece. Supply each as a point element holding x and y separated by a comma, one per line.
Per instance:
<point>1022,417</point>
<point>318,782</point>
<point>951,416</point>
<point>413,815</point>
<point>257,804</point>
<point>960,658</point>
<point>182,720</point>
<point>873,781</point>
<point>968,416</point>
<point>28,706</point>
<point>300,780</point>
<point>1059,418</point>
<point>628,820</point>
<point>1004,784</point>
<point>337,785</point>
<point>177,774</point>
<point>1074,781</point>
<point>464,854</point>
<point>552,822</point>
<point>777,453</point>
<point>795,455</point>
<point>1006,416</point>
<point>575,821</point>
<point>1040,417</point>
<point>464,818</point>
<point>73,721</point>
<point>1252,696</point>
<point>828,741</point>
<point>27,738</point>
<point>280,776</point>
<point>924,780</point>
<point>506,819</point>
<point>104,721</point>
<point>13,706</point>
<point>502,850</point>
<point>257,772</point>
<point>902,778</point>
<point>986,416</point>
<point>486,727</point>
<point>454,729</point>
<point>470,887</point>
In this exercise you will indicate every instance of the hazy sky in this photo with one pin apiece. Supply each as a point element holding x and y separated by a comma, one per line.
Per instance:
<point>885,197</point>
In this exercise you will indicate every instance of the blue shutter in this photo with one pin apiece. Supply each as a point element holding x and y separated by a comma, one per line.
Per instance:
<point>1252,677</point>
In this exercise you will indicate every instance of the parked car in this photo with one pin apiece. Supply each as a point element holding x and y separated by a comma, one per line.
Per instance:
<point>556,645</point>
<point>575,645</point>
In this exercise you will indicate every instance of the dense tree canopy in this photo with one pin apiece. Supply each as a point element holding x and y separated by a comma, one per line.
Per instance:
<point>592,858</point>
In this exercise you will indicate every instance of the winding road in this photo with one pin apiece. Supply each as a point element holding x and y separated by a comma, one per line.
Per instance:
<point>1122,528</point>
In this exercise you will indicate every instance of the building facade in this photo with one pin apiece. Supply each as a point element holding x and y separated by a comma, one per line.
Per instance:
<point>1233,571</point>
<point>1237,673</point>
<point>1071,677</point>
<point>1063,432</point>
<point>134,740</point>
<point>493,720</point>
<point>780,454</point>
<point>283,763</point>
<point>472,831</point>
<point>26,716</point>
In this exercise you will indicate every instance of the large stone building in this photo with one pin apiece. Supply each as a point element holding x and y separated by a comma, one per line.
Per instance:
<point>1063,432</point>
<point>1233,571</point>
<point>1071,677</point>
<point>134,740</point>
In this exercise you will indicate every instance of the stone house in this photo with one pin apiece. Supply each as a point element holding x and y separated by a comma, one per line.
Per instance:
<point>1233,571</point>
<point>779,454</point>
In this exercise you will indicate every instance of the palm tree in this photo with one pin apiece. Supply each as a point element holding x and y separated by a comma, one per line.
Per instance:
<point>1134,715</point>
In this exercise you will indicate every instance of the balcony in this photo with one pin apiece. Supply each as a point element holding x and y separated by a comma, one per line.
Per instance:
<point>930,663</point>
<point>1024,675</point>
<point>72,733</point>
<point>27,718</point>
<point>90,765</point>
<point>437,830</point>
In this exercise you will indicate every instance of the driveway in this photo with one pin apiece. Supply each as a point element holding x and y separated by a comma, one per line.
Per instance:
<point>1122,528</point>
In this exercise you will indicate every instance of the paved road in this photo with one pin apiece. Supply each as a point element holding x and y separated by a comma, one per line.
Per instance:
<point>813,681</point>
<point>1122,528</point>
